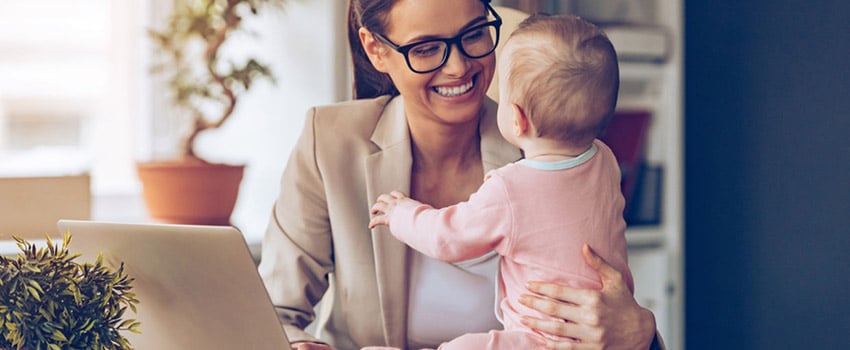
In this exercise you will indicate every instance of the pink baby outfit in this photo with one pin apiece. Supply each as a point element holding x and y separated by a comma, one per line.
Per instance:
<point>536,215</point>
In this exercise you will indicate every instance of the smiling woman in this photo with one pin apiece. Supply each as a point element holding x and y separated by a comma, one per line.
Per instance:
<point>429,133</point>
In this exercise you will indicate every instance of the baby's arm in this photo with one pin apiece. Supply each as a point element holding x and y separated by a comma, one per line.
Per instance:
<point>455,233</point>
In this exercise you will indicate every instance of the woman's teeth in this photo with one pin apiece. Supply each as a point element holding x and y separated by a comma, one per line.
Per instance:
<point>455,90</point>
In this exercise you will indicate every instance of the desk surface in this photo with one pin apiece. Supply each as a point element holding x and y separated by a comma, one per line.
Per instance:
<point>9,248</point>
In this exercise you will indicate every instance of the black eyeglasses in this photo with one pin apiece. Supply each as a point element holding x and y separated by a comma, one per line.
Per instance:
<point>429,55</point>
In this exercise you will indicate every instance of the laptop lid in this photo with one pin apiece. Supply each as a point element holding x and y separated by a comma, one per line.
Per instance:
<point>198,287</point>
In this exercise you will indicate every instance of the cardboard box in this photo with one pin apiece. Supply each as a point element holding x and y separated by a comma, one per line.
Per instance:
<point>30,206</point>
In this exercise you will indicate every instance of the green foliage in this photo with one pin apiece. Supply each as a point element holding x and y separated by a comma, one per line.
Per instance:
<point>49,301</point>
<point>190,48</point>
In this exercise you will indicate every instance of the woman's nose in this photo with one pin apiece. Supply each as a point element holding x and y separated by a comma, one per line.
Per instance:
<point>457,63</point>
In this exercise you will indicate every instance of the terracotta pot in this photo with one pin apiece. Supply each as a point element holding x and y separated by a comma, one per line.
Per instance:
<point>190,192</point>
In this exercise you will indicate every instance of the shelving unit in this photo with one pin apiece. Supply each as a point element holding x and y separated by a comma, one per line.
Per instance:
<point>660,269</point>
<point>656,254</point>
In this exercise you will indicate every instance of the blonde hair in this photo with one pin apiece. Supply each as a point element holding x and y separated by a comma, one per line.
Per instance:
<point>563,73</point>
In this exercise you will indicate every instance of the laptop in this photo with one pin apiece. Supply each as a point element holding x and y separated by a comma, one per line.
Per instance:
<point>198,287</point>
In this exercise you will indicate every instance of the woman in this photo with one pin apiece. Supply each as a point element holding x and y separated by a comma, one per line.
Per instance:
<point>421,123</point>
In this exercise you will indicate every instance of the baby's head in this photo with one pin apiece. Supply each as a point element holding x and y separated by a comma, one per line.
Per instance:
<point>562,72</point>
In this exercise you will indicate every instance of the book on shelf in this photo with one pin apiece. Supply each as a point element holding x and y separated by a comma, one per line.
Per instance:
<point>645,206</point>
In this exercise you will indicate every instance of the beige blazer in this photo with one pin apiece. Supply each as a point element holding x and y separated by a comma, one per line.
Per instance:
<point>318,238</point>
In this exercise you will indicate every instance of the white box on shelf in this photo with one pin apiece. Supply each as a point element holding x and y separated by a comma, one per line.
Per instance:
<point>633,42</point>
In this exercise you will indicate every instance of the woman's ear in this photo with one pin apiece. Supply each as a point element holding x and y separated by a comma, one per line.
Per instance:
<point>521,122</point>
<point>374,49</point>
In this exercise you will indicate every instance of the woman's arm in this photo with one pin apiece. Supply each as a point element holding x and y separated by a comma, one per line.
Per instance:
<point>609,318</point>
<point>296,256</point>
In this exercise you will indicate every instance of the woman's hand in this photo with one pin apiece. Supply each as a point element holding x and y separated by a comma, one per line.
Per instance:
<point>310,346</point>
<point>597,319</point>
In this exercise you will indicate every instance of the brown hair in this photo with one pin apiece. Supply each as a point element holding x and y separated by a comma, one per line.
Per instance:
<point>563,73</point>
<point>371,14</point>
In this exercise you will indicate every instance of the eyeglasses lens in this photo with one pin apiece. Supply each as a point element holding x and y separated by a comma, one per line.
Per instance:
<point>474,43</point>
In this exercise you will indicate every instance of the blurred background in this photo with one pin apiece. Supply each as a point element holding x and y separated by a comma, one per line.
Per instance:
<point>77,96</point>
<point>749,250</point>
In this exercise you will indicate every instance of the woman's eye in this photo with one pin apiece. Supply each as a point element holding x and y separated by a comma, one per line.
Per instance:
<point>425,50</point>
<point>474,35</point>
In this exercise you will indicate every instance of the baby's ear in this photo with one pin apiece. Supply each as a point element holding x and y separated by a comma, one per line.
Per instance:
<point>521,122</point>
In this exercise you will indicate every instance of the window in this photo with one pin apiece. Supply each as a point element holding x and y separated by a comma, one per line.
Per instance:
<point>70,78</point>
<point>76,95</point>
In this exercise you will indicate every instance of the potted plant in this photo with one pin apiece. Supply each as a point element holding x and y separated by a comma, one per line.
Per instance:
<point>49,301</point>
<point>191,190</point>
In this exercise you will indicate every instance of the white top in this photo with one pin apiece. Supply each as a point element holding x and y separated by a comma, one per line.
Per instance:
<point>449,300</point>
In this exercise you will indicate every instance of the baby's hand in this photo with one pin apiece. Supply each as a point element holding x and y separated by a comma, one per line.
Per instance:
<point>383,207</point>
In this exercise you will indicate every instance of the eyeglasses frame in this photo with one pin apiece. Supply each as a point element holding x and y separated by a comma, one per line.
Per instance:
<point>456,41</point>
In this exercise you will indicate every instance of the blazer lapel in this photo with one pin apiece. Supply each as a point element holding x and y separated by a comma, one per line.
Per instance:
<point>386,170</point>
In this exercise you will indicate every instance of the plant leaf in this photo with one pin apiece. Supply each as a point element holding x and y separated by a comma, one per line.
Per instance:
<point>57,335</point>
<point>37,286</point>
<point>34,293</point>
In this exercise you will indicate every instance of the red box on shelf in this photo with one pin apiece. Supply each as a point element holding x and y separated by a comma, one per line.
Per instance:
<point>625,135</point>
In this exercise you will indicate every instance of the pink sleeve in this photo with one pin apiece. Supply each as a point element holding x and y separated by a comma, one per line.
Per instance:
<point>458,232</point>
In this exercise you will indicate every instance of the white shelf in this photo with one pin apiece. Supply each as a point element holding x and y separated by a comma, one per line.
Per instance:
<point>645,237</point>
<point>656,254</point>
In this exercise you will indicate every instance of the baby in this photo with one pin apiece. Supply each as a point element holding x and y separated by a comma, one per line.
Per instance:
<point>558,89</point>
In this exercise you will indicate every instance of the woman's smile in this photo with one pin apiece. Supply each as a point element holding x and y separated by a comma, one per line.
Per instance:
<point>455,89</point>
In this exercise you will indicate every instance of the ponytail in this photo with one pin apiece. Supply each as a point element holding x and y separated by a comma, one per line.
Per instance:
<point>368,81</point>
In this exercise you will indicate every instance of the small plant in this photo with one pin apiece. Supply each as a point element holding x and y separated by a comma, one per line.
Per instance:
<point>49,301</point>
<point>201,85</point>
